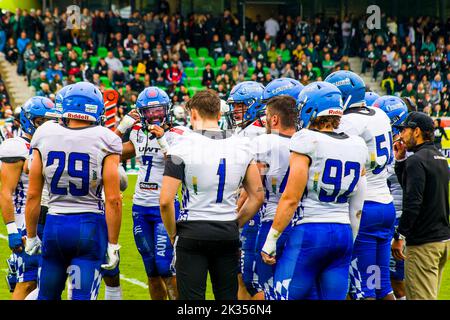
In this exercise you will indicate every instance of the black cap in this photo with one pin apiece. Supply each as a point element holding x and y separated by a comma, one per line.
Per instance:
<point>417,120</point>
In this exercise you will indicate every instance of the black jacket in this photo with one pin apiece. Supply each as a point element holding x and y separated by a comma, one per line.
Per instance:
<point>424,177</point>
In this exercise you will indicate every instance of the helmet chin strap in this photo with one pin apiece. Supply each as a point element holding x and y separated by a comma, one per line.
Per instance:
<point>346,102</point>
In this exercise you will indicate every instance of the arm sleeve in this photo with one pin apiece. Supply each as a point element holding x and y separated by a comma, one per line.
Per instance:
<point>414,185</point>
<point>174,167</point>
<point>356,202</point>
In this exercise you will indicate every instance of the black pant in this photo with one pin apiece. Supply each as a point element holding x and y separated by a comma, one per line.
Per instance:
<point>194,258</point>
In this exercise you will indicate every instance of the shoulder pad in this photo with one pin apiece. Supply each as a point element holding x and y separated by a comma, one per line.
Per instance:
<point>15,148</point>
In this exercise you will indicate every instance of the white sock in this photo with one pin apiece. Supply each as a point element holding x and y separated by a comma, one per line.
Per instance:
<point>113,293</point>
<point>33,295</point>
<point>402,298</point>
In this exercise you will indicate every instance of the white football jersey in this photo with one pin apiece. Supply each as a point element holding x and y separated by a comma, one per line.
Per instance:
<point>373,125</point>
<point>336,164</point>
<point>151,168</point>
<point>213,171</point>
<point>253,130</point>
<point>18,148</point>
<point>273,150</point>
<point>72,165</point>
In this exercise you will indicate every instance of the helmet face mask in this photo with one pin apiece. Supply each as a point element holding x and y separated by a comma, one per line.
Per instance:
<point>238,111</point>
<point>153,115</point>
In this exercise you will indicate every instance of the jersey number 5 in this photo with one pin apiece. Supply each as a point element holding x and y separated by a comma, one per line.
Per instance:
<point>82,172</point>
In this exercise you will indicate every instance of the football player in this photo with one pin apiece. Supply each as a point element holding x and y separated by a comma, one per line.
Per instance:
<point>14,154</point>
<point>397,111</point>
<point>326,174</point>
<point>149,141</point>
<point>211,164</point>
<point>75,160</point>
<point>371,253</point>
<point>272,156</point>
<point>246,116</point>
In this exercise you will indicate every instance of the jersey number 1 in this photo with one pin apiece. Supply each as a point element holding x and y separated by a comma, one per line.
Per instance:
<point>221,172</point>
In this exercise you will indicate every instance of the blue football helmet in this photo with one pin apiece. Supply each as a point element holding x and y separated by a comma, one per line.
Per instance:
<point>153,106</point>
<point>352,86</point>
<point>60,96</point>
<point>36,107</point>
<point>319,99</point>
<point>83,101</point>
<point>245,103</point>
<point>370,97</point>
<point>395,108</point>
<point>282,86</point>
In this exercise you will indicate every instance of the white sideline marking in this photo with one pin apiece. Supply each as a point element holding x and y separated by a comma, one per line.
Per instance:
<point>122,277</point>
<point>134,281</point>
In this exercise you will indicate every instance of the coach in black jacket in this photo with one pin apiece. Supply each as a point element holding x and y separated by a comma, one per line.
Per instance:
<point>424,223</point>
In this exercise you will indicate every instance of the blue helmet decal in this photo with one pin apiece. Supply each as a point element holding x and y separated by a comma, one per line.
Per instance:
<point>370,97</point>
<point>153,106</point>
<point>351,85</point>
<point>83,101</point>
<point>250,94</point>
<point>36,107</point>
<point>395,108</point>
<point>319,99</point>
<point>282,86</point>
<point>60,96</point>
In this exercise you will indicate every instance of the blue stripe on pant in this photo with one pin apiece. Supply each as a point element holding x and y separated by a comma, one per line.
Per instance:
<point>152,241</point>
<point>248,254</point>
<point>369,271</point>
<point>74,244</point>
<point>316,255</point>
<point>264,271</point>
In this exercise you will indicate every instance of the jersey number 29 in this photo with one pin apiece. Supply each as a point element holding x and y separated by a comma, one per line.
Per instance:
<point>82,172</point>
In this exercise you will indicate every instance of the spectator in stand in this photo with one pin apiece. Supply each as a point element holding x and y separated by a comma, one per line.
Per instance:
<point>229,46</point>
<point>173,75</point>
<point>287,72</point>
<point>272,28</point>
<point>242,66</point>
<point>380,66</point>
<point>115,66</point>
<point>273,71</point>
<point>327,65</point>
<point>208,76</point>
<point>259,73</point>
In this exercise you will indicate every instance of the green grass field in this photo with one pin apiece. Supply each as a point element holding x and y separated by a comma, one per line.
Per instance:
<point>134,279</point>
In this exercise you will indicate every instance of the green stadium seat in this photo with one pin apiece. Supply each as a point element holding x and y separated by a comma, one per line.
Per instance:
<point>209,60</point>
<point>266,70</point>
<point>94,61</point>
<point>198,62</point>
<point>203,52</point>
<point>219,61</point>
<point>195,82</point>
<point>78,50</point>
<point>234,60</point>
<point>102,52</point>
<point>250,70</point>
<point>192,52</point>
<point>105,81</point>
<point>190,71</point>
<point>63,49</point>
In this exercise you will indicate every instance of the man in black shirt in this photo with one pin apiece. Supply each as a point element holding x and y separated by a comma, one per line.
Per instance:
<point>211,165</point>
<point>424,224</point>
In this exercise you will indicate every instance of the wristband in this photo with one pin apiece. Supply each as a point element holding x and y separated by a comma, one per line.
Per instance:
<point>11,227</point>
<point>115,247</point>
<point>126,123</point>
<point>271,242</point>
<point>163,144</point>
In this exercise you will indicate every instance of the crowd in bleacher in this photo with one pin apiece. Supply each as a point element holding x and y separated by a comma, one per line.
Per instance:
<point>412,59</point>
<point>187,54</point>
